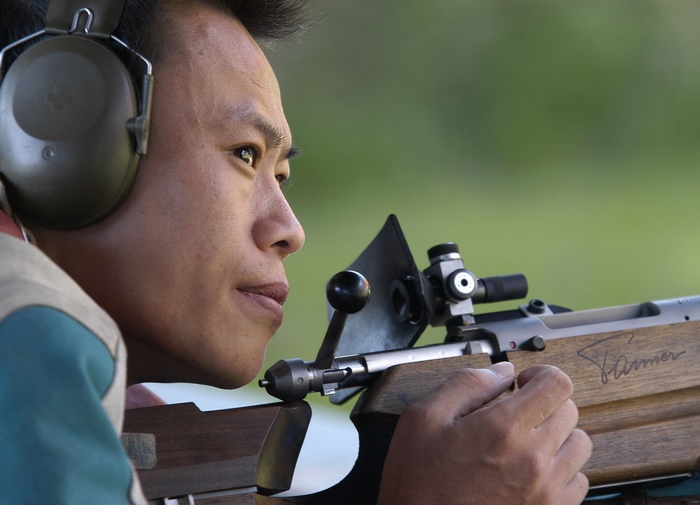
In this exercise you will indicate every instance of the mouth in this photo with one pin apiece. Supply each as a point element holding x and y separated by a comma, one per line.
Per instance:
<point>268,298</point>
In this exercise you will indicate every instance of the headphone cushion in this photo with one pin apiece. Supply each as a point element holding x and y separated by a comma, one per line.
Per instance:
<point>65,151</point>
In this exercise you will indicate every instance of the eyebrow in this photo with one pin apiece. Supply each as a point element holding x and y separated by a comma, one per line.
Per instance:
<point>274,135</point>
<point>293,152</point>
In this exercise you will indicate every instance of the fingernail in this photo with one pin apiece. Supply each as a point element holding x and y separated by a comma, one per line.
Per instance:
<point>502,368</point>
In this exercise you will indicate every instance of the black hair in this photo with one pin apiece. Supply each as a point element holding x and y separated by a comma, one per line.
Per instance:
<point>267,20</point>
<point>139,27</point>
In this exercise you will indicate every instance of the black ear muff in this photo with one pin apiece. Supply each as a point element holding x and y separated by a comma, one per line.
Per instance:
<point>68,117</point>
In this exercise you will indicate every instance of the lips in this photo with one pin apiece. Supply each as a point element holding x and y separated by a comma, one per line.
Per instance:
<point>267,297</point>
<point>278,291</point>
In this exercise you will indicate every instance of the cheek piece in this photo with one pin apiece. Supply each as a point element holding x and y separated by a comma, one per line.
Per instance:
<point>71,127</point>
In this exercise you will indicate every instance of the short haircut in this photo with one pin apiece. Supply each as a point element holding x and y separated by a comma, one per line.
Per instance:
<point>144,23</point>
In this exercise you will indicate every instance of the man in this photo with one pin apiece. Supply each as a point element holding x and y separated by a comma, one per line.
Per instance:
<point>189,266</point>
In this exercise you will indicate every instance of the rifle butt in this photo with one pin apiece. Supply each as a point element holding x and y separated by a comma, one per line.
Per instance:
<point>218,456</point>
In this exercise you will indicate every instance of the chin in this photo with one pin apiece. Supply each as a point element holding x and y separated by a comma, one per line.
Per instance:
<point>221,368</point>
<point>232,377</point>
<point>219,375</point>
<point>230,382</point>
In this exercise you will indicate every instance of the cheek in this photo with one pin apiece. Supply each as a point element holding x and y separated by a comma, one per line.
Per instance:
<point>188,251</point>
<point>195,198</point>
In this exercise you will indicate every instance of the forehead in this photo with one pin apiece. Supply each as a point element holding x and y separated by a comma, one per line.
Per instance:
<point>217,68</point>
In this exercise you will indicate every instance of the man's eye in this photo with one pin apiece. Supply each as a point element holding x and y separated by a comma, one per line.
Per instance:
<point>248,154</point>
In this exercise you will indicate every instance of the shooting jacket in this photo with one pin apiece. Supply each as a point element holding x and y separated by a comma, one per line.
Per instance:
<point>62,386</point>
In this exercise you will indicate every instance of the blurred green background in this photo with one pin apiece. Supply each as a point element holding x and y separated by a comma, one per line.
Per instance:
<point>554,138</point>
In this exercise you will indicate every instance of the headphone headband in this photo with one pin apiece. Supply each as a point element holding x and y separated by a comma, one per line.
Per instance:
<point>61,16</point>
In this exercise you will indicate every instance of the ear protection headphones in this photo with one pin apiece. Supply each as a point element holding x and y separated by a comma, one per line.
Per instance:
<point>71,126</point>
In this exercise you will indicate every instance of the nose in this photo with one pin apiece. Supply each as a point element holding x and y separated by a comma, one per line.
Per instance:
<point>278,228</point>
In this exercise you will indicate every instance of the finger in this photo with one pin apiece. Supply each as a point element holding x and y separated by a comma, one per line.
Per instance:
<point>565,482</point>
<point>467,390</point>
<point>575,491</point>
<point>542,391</point>
<point>528,374</point>
<point>555,430</point>
<point>573,454</point>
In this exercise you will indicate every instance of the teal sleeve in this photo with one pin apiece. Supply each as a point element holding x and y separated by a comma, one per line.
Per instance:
<point>57,442</point>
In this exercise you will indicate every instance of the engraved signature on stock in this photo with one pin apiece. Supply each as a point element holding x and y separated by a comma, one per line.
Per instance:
<point>615,357</point>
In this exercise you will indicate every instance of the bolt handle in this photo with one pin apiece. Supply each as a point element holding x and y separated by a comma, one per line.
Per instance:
<point>348,292</point>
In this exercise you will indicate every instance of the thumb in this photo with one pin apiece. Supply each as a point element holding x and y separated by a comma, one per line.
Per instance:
<point>471,388</point>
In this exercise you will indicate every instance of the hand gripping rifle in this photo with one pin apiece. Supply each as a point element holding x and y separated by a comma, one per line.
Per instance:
<point>635,369</point>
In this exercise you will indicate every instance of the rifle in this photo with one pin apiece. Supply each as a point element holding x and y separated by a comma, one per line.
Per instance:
<point>634,367</point>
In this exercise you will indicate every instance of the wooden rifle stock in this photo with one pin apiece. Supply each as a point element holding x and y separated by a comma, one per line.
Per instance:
<point>232,456</point>
<point>638,394</point>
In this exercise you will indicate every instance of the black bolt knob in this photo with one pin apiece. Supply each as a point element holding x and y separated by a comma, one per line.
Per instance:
<point>348,291</point>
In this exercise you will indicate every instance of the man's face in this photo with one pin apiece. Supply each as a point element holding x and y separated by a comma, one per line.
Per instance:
<point>190,266</point>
